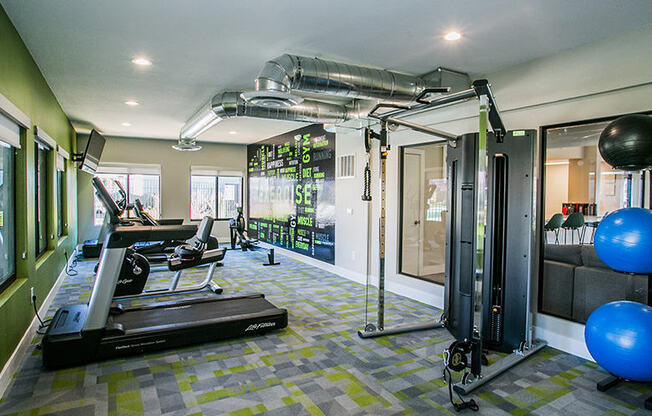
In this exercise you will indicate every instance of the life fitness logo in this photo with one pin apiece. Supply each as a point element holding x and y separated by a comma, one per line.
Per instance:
<point>125,281</point>
<point>254,327</point>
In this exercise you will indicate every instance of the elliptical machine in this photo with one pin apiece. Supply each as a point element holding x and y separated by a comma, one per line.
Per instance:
<point>135,269</point>
<point>158,251</point>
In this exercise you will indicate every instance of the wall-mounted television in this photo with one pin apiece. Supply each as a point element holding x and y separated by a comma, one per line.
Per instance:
<point>90,159</point>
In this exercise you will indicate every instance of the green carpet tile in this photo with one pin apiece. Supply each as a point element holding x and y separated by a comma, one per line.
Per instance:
<point>317,366</point>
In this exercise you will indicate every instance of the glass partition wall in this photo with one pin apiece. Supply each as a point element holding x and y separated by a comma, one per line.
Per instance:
<point>423,212</point>
<point>579,189</point>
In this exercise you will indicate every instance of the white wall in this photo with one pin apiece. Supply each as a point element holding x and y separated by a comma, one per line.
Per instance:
<point>556,188</point>
<point>175,176</point>
<point>605,78</point>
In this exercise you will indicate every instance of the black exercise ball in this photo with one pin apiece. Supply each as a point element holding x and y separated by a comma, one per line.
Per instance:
<point>626,142</point>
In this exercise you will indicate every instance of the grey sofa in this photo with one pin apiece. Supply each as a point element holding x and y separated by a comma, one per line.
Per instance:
<point>575,282</point>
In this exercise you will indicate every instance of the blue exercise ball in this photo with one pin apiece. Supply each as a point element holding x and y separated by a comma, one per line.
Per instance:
<point>623,240</point>
<point>619,338</point>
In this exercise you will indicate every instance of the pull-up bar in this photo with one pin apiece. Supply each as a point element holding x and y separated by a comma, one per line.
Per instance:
<point>478,88</point>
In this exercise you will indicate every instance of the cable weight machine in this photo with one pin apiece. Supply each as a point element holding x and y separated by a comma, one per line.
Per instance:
<point>490,237</point>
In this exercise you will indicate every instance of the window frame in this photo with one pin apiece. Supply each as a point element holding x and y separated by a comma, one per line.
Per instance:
<point>62,208</point>
<point>40,251</point>
<point>12,278</point>
<point>541,189</point>
<point>217,177</point>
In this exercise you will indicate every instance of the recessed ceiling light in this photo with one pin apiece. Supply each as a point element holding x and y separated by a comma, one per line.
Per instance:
<point>452,36</point>
<point>233,132</point>
<point>126,124</point>
<point>139,60</point>
<point>132,103</point>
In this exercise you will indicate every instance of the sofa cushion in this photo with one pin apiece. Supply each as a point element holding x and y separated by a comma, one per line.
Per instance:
<point>595,286</point>
<point>571,254</point>
<point>557,288</point>
<point>590,258</point>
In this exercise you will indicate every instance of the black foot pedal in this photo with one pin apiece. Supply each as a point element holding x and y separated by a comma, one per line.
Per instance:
<point>608,383</point>
<point>270,259</point>
<point>117,309</point>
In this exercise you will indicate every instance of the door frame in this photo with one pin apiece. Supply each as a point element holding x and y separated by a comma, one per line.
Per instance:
<point>421,189</point>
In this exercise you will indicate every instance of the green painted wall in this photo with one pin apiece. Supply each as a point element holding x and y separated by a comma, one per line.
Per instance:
<point>23,84</point>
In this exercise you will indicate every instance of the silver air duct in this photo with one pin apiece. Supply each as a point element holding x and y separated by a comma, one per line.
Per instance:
<point>287,73</point>
<point>202,120</point>
<point>231,104</point>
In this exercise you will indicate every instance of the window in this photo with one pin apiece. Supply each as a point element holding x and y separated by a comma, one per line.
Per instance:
<point>61,211</point>
<point>202,196</point>
<point>11,122</point>
<point>41,197</point>
<point>423,211</point>
<point>144,187</point>
<point>215,196</point>
<point>7,215</point>
<point>229,196</point>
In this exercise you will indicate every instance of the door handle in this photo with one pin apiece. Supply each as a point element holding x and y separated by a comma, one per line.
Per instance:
<point>417,222</point>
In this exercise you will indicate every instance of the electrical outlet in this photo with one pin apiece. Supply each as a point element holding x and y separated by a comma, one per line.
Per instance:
<point>353,255</point>
<point>31,294</point>
<point>24,256</point>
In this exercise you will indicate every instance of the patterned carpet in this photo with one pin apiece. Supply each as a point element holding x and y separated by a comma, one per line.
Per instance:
<point>318,365</point>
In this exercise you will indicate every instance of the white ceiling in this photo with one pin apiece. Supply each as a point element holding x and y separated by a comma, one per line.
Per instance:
<point>201,47</point>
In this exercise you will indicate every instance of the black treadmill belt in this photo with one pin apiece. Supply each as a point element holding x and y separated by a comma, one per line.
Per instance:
<point>190,313</point>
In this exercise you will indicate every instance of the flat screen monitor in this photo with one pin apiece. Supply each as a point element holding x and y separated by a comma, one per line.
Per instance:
<point>93,152</point>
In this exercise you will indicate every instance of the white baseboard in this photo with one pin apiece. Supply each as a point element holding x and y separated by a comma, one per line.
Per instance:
<point>12,365</point>
<point>562,334</point>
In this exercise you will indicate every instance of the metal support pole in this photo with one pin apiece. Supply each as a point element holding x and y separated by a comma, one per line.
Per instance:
<point>481,213</point>
<point>384,148</point>
<point>370,331</point>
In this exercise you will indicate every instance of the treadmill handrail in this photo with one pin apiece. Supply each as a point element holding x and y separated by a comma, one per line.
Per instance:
<point>125,236</point>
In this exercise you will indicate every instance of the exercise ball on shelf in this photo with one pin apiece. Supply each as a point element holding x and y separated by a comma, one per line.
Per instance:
<point>623,240</point>
<point>619,338</point>
<point>626,143</point>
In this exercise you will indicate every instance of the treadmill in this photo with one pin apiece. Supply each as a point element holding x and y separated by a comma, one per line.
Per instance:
<point>83,333</point>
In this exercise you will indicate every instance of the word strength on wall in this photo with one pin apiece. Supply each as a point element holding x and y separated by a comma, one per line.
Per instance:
<point>292,191</point>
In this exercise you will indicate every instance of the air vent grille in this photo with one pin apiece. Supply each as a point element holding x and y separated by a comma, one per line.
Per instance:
<point>346,167</point>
